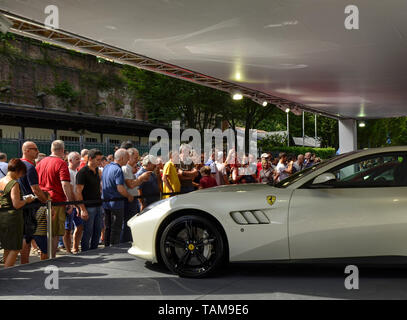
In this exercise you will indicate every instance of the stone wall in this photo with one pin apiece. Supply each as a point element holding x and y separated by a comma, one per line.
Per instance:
<point>70,80</point>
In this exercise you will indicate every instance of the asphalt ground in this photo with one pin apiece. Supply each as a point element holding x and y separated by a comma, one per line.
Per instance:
<point>34,256</point>
<point>111,273</point>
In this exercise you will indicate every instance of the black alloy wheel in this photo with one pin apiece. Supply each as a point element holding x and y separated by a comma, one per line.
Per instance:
<point>192,247</point>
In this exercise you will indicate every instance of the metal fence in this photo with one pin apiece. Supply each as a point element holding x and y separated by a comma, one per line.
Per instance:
<point>12,146</point>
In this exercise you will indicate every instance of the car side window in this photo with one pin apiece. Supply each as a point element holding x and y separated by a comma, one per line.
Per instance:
<point>384,170</point>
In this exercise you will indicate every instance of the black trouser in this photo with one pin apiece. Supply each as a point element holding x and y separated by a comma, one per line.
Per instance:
<point>113,224</point>
<point>130,210</point>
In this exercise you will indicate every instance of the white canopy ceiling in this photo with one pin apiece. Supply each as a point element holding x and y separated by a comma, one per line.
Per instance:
<point>299,50</point>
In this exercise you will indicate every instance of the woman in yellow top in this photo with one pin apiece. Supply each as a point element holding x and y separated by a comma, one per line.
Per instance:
<point>171,181</point>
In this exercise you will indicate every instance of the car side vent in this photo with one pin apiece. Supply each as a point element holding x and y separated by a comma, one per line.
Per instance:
<point>249,217</point>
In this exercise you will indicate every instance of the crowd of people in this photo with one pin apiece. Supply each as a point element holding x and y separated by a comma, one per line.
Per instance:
<point>111,189</point>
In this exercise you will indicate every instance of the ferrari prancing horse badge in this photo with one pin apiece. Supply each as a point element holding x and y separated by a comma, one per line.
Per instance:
<point>271,200</point>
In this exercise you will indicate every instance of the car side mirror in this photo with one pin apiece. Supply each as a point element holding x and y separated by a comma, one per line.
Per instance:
<point>324,178</point>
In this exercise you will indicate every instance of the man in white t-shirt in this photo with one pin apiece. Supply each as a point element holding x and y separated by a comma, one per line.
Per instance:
<point>74,161</point>
<point>131,184</point>
<point>221,174</point>
<point>73,219</point>
<point>283,171</point>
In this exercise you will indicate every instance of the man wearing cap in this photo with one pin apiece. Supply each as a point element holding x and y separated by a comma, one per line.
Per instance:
<point>149,190</point>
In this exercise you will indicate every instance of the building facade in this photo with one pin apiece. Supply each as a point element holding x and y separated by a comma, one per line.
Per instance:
<point>48,92</point>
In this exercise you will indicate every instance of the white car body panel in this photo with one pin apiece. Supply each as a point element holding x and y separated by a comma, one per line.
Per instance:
<point>304,223</point>
<point>249,244</point>
<point>143,230</point>
<point>348,222</point>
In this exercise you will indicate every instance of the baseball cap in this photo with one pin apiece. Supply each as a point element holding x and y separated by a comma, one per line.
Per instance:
<point>265,155</point>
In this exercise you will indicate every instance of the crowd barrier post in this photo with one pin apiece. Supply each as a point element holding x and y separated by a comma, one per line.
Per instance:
<point>49,228</point>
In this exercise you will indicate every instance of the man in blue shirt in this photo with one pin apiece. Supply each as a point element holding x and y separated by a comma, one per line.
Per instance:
<point>29,185</point>
<point>212,164</point>
<point>113,187</point>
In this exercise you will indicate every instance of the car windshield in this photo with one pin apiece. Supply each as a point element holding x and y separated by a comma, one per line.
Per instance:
<point>300,174</point>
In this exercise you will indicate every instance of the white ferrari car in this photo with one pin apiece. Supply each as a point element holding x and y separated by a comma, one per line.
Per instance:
<point>351,206</point>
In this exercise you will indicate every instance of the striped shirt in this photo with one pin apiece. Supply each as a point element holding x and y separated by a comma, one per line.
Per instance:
<point>41,222</point>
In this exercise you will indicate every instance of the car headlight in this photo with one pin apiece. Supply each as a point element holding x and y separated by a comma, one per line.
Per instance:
<point>153,205</point>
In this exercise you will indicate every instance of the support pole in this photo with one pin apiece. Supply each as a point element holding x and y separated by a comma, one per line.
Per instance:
<point>49,228</point>
<point>316,135</point>
<point>347,135</point>
<point>288,129</point>
<point>303,128</point>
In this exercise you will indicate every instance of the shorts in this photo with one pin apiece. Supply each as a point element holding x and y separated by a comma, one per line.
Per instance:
<point>72,219</point>
<point>41,242</point>
<point>58,223</point>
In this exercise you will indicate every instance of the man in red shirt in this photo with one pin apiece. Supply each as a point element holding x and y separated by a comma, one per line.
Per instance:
<point>53,175</point>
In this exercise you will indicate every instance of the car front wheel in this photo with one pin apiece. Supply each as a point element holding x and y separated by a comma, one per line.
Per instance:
<point>192,246</point>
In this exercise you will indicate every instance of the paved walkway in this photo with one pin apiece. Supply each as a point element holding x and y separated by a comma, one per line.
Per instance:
<point>111,273</point>
<point>34,257</point>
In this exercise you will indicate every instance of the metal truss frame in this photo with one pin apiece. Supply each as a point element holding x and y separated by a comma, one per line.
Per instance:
<point>35,30</point>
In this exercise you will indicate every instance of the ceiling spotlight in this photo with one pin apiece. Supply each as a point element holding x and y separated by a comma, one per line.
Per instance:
<point>237,96</point>
<point>362,124</point>
<point>265,104</point>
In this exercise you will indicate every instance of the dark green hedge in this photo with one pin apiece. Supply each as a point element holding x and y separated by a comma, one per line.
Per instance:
<point>323,153</point>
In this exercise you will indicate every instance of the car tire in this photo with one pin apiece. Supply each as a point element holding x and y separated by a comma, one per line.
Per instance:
<point>192,246</point>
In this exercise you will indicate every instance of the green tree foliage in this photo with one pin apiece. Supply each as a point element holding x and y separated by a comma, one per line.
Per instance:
<point>248,114</point>
<point>328,131</point>
<point>377,132</point>
<point>167,99</point>
<point>327,128</point>
<point>65,92</point>
<point>273,141</point>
